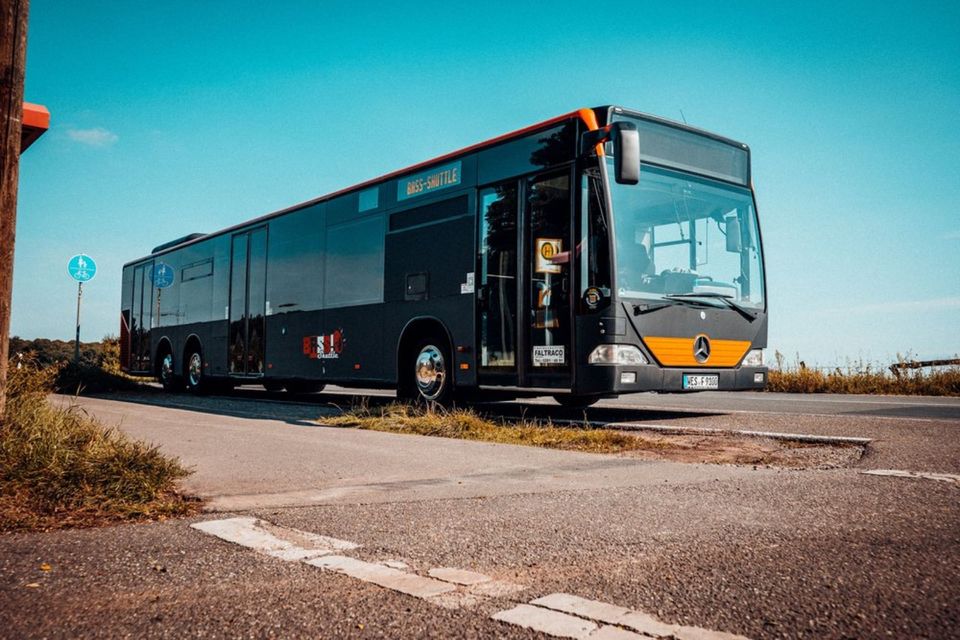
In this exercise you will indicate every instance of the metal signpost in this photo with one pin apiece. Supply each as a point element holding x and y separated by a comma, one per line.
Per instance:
<point>81,268</point>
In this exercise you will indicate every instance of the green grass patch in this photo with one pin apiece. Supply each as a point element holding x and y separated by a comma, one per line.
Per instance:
<point>60,468</point>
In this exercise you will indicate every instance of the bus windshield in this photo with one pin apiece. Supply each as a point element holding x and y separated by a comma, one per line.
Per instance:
<point>681,234</point>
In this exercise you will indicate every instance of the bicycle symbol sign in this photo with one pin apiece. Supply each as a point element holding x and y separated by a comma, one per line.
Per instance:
<point>82,268</point>
<point>162,275</point>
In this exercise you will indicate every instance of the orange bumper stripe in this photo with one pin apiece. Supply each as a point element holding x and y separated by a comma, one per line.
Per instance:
<point>678,352</point>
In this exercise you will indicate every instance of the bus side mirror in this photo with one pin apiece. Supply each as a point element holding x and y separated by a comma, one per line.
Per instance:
<point>626,149</point>
<point>626,152</point>
<point>732,231</point>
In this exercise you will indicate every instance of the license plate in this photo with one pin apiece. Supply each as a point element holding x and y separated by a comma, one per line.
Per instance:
<point>700,381</point>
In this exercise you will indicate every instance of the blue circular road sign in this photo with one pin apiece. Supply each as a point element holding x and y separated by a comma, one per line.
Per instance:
<point>82,268</point>
<point>162,275</point>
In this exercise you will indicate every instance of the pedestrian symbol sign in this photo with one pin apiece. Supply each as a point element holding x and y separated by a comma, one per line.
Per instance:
<point>162,275</point>
<point>82,268</point>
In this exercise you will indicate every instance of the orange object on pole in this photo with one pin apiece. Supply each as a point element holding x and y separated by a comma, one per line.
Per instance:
<point>36,120</point>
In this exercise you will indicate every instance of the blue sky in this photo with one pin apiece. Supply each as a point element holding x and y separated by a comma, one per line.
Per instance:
<point>175,117</point>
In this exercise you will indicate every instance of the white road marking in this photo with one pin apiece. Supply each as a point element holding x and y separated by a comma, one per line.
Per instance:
<point>458,576</point>
<point>456,589</point>
<point>279,542</point>
<point>453,588</point>
<point>623,617</point>
<point>604,612</point>
<point>607,632</point>
<point>396,564</point>
<point>384,576</point>
<point>896,473</point>
<point>546,621</point>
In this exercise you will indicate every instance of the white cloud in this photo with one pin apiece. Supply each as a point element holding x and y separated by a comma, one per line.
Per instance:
<point>96,137</point>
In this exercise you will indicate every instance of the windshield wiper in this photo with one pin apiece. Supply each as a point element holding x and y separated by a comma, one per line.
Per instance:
<point>640,309</point>
<point>725,298</point>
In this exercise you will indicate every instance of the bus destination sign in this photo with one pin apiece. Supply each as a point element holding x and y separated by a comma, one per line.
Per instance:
<point>420,184</point>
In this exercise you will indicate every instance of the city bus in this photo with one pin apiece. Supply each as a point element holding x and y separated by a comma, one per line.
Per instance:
<point>599,253</point>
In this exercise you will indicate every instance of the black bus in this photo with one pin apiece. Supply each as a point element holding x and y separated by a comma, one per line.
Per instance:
<point>598,253</point>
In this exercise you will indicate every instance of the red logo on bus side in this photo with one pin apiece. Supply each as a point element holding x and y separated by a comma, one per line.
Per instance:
<point>324,347</point>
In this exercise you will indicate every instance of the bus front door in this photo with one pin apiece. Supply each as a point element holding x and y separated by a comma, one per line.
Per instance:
<point>523,306</point>
<point>550,281</point>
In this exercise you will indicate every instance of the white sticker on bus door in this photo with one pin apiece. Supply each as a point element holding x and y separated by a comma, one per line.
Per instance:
<point>467,287</point>
<point>548,355</point>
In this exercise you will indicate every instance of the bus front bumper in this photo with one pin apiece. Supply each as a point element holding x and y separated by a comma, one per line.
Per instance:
<point>635,379</point>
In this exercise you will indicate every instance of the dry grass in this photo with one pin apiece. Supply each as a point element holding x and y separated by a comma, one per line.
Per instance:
<point>468,425</point>
<point>864,378</point>
<point>60,468</point>
<point>464,424</point>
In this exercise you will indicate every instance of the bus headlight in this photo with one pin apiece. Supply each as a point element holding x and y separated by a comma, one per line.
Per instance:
<point>753,359</point>
<point>617,354</point>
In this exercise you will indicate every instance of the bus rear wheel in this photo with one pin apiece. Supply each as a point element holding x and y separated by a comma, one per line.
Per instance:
<point>574,401</point>
<point>432,373</point>
<point>193,370</point>
<point>166,372</point>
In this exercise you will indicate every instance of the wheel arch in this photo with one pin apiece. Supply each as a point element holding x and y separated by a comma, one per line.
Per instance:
<point>416,329</point>
<point>191,340</point>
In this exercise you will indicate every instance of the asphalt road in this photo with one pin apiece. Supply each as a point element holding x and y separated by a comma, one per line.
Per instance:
<point>918,407</point>
<point>758,552</point>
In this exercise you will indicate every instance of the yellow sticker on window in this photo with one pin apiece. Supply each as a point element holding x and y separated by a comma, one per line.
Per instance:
<point>548,250</point>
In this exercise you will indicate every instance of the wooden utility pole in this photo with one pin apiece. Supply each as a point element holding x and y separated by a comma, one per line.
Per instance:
<point>13,41</point>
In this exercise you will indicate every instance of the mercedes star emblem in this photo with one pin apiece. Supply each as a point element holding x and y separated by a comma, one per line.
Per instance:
<point>701,348</point>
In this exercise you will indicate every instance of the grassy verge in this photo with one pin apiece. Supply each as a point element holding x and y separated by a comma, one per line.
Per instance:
<point>60,468</point>
<point>865,379</point>
<point>465,424</point>
<point>468,425</point>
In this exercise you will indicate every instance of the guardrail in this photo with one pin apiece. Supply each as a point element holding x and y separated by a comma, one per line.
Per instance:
<point>919,364</point>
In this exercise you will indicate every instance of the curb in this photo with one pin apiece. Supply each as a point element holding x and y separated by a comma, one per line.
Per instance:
<point>773,435</point>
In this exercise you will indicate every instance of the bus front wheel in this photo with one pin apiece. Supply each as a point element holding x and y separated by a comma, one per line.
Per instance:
<point>431,372</point>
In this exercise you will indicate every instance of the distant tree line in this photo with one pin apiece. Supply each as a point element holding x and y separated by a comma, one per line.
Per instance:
<point>44,352</point>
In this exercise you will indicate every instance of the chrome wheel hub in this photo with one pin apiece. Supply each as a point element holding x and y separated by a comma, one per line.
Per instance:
<point>195,369</point>
<point>431,372</point>
<point>166,368</point>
